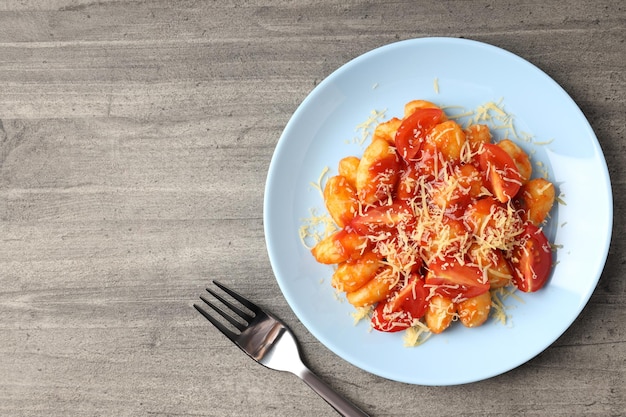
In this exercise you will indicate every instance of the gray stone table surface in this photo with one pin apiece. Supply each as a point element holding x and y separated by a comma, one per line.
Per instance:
<point>135,139</point>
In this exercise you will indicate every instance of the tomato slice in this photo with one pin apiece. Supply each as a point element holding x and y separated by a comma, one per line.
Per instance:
<point>382,218</point>
<point>407,184</point>
<point>411,298</point>
<point>412,132</point>
<point>403,308</point>
<point>502,173</point>
<point>480,214</point>
<point>456,281</point>
<point>532,260</point>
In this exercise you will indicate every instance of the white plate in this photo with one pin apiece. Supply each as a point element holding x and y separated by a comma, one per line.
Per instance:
<point>468,74</point>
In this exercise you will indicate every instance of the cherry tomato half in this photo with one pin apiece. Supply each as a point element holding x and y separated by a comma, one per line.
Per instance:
<point>412,132</point>
<point>382,218</point>
<point>532,260</point>
<point>503,176</point>
<point>399,312</point>
<point>454,280</point>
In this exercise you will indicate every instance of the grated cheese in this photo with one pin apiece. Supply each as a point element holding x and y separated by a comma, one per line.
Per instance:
<point>493,114</point>
<point>416,335</point>
<point>547,142</point>
<point>361,313</point>
<point>315,228</point>
<point>498,309</point>
<point>431,235</point>
<point>498,306</point>
<point>318,185</point>
<point>366,128</point>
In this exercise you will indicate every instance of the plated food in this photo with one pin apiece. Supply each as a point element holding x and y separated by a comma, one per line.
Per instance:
<point>431,219</point>
<point>562,147</point>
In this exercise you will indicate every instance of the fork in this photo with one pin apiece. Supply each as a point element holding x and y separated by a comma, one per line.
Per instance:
<point>269,341</point>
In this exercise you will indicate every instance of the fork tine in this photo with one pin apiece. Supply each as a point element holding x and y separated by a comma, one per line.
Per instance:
<point>216,323</point>
<point>226,316</point>
<point>249,304</point>
<point>247,317</point>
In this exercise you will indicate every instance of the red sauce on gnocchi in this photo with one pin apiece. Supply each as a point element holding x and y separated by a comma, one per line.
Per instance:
<point>432,218</point>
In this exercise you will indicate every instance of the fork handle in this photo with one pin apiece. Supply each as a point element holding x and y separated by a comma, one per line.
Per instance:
<point>339,403</point>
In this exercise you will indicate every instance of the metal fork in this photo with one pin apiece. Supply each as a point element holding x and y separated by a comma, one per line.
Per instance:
<point>269,341</point>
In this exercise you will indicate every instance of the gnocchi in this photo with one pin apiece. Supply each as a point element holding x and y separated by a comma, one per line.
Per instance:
<point>377,173</point>
<point>433,217</point>
<point>348,167</point>
<point>341,201</point>
<point>351,275</point>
